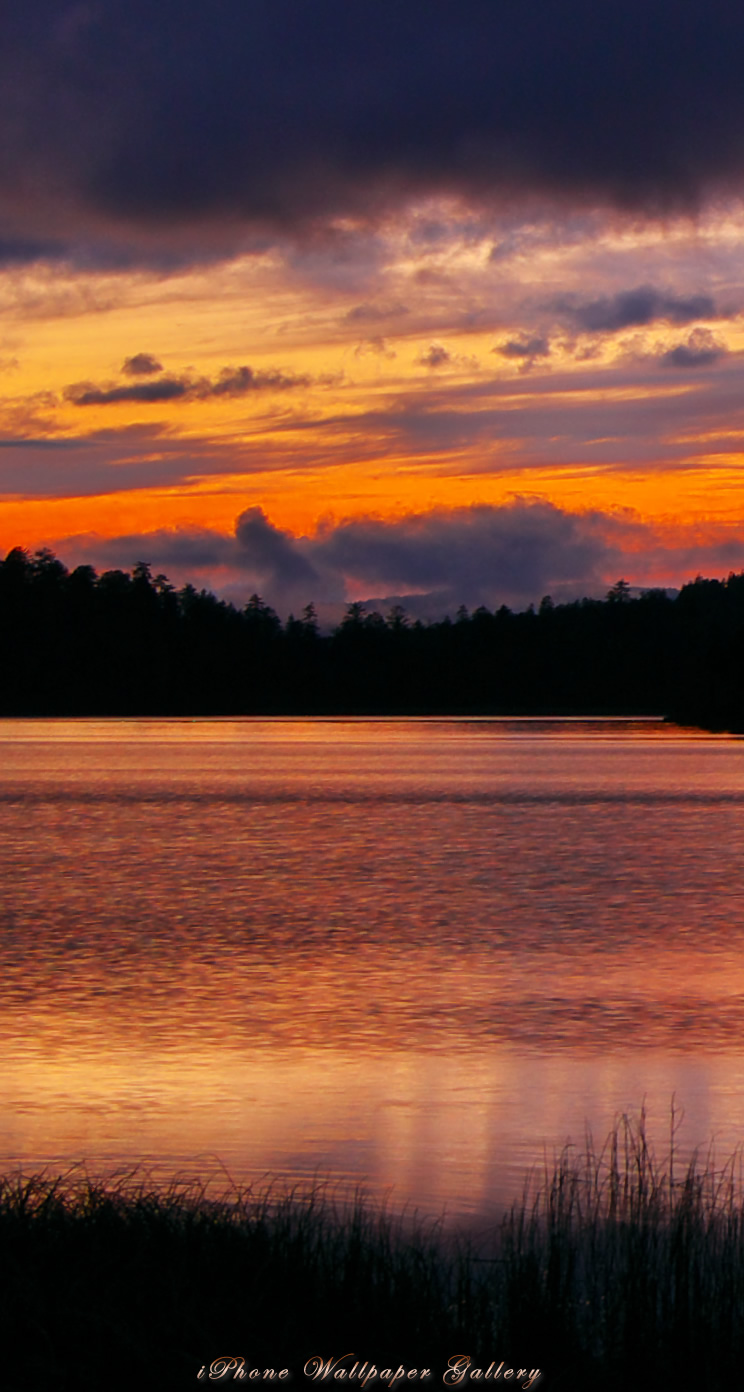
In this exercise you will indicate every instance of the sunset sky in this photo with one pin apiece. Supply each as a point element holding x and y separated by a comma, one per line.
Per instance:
<point>337,300</point>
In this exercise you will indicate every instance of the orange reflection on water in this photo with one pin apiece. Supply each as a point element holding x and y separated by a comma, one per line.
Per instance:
<point>456,1132</point>
<point>411,953</point>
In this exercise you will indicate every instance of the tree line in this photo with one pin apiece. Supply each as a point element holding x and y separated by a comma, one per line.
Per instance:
<point>130,643</point>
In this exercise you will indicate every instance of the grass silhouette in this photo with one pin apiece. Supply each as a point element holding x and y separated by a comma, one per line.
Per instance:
<point>613,1271</point>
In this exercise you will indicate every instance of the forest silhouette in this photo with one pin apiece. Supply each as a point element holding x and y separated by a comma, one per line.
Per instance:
<point>130,643</point>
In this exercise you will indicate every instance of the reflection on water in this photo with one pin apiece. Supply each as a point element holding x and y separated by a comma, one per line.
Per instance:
<point>410,952</point>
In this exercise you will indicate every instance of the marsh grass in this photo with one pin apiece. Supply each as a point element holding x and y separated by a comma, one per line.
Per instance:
<point>614,1271</point>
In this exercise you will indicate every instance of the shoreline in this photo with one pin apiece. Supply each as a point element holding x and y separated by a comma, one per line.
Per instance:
<point>611,1262</point>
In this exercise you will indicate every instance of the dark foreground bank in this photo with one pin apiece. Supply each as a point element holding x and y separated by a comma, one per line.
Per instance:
<point>614,1272</point>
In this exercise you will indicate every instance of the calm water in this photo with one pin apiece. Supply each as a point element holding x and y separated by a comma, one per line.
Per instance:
<point>413,953</point>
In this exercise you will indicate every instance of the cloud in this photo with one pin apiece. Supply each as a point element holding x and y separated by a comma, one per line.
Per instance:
<point>186,553</point>
<point>635,414</point>
<point>432,562</point>
<point>164,389</point>
<point>21,251</point>
<point>141,365</point>
<point>231,381</point>
<point>113,461</point>
<point>371,313</point>
<point>509,554</point>
<point>634,308</point>
<point>701,350</point>
<point>472,555</point>
<point>535,347</point>
<point>258,557</point>
<point>436,355</point>
<point>163,130</point>
<point>236,381</point>
<point>612,418</point>
<point>374,347</point>
<point>272,553</point>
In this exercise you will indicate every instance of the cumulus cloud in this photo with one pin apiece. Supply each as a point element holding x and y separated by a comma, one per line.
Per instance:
<point>231,381</point>
<point>436,355</point>
<point>431,562</point>
<point>479,554</point>
<point>375,347</point>
<point>634,308</point>
<point>492,555</point>
<point>701,349</point>
<point>272,553</point>
<point>524,347</point>
<point>141,365</point>
<point>236,381</point>
<point>258,557</point>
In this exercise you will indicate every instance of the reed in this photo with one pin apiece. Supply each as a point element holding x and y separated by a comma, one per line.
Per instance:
<point>615,1270</point>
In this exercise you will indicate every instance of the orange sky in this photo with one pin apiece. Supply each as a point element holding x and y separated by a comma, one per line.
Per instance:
<point>417,371</point>
<point>442,303</point>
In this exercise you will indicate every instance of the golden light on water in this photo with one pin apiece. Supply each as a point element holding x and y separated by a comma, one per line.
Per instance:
<point>406,954</point>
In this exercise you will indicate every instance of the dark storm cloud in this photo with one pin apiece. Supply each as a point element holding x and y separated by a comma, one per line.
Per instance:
<point>161,122</point>
<point>16,251</point>
<point>231,381</point>
<point>634,308</point>
<point>141,365</point>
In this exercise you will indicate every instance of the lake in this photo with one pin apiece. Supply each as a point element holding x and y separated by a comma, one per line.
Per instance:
<point>417,955</point>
